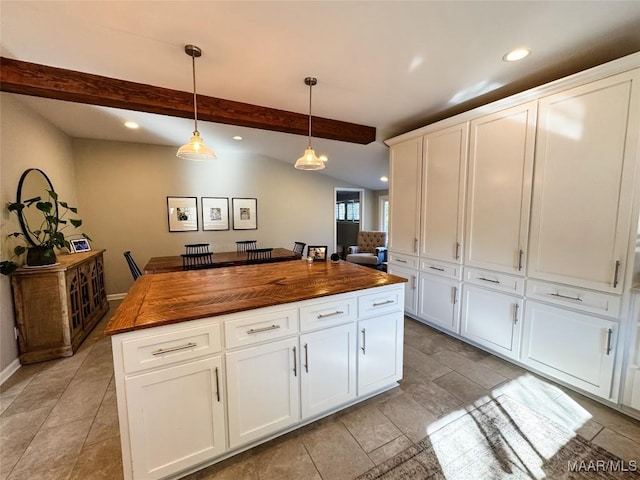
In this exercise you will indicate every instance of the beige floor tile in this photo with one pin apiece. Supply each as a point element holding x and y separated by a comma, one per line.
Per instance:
<point>625,448</point>
<point>43,391</point>
<point>101,461</point>
<point>390,449</point>
<point>426,344</point>
<point>426,365</point>
<point>20,379</point>
<point>370,427</point>
<point>408,415</point>
<point>461,387</point>
<point>504,368</point>
<point>335,453</point>
<point>471,369</point>
<point>609,418</point>
<point>52,453</point>
<point>288,460</point>
<point>433,398</point>
<point>5,401</point>
<point>16,433</point>
<point>105,424</point>
<point>245,469</point>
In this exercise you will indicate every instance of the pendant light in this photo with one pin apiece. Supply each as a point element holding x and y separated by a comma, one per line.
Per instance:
<point>195,149</point>
<point>309,161</point>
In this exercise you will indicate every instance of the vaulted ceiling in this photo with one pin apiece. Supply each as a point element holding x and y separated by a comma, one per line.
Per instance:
<point>392,65</point>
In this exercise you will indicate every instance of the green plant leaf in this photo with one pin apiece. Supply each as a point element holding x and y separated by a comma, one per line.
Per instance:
<point>53,195</point>
<point>7,267</point>
<point>76,222</point>
<point>19,250</point>
<point>44,206</point>
<point>15,207</point>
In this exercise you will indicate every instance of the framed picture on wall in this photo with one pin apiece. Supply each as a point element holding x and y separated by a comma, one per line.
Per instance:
<point>215,213</point>
<point>245,213</point>
<point>182,213</point>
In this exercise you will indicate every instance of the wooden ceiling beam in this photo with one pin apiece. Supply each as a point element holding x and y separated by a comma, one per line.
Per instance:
<point>26,78</point>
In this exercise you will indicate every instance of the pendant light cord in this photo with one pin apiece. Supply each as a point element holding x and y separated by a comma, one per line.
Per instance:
<point>195,101</point>
<point>310,87</point>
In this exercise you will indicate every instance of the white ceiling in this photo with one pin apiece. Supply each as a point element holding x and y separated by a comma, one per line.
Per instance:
<point>394,65</point>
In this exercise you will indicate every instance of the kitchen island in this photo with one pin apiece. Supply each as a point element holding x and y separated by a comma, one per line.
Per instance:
<point>209,363</point>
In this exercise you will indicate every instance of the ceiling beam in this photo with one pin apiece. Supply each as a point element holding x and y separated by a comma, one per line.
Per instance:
<point>26,78</point>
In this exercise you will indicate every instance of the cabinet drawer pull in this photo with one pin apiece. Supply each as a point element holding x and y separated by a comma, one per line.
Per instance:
<point>515,313</point>
<point>488,280</point>
<point>162,351</point>
<point>217,385</point>
<point>263,329</point>
<point>306,358</point>
<point>455,295</point>
<point>295,363</point>
<point>415,245</point>
<point>615,274</point>
<point>609,334</point>
<point>457,250</point>
<point>364,341</point>
<point>332,314</point>
<point>386,302</point>
<point>567,297</point>
<point>437,268</point>
<point>413,282</point>
<point>399,260</point>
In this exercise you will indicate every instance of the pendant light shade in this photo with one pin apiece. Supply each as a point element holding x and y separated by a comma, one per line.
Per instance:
<point>309,161</point>
<point>195,149</point>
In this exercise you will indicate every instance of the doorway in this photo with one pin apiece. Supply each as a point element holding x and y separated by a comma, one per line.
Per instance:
<point>348,213</point>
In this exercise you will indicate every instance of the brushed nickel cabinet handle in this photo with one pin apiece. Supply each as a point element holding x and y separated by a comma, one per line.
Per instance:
<point>457,250</point>
<point>306,358</point>
<point>263,329</point>
<point>413,282</point>
<point>364,341</point>
<point>609,334</point>
<point>415,245</point>
<point>520,254</point>
<point>295,363</point>
<point>399,260</point>
<point>615,274</point>
<point>217,385</point>
<point>437,268</point>
<point>332,314</point>
<point>386,302</point>
<point>488,280</point>
<point>567,297</point>
<point>162,351</point>
<point>515,313</point>
<point>455,295</point>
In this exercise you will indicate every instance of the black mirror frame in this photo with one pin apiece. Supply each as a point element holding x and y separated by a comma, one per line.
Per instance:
<point>23,224</point>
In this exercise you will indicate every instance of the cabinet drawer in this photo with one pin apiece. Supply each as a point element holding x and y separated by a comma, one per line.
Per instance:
<point>443,269</point>
<point>403,260</point>
<point>578,298</point>
<point>327,314</point>
<point>260,328</point>
<point>171,347</point>
<point>382,302</point>
<point>495,280</point>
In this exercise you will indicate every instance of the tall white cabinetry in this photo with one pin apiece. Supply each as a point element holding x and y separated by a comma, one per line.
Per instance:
<point>539,194</point>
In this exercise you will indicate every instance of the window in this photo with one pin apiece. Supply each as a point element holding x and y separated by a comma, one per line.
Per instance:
<point>348,211</point>
<point>383,208</point>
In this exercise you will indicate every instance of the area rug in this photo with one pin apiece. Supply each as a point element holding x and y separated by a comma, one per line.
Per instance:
<point>503,439</point>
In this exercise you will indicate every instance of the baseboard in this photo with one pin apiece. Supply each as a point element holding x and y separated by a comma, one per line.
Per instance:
<point>116,296</point>
<point>9,370</point>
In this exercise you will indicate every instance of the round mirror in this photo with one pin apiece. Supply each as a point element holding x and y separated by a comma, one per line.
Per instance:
<point>33,183</point>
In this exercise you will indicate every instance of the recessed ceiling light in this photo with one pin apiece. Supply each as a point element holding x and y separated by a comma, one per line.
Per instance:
<point>324,158</point>
<point>384,179</point>
<point>237,137</point>
<point>132,125</point>
<point>516,54</point>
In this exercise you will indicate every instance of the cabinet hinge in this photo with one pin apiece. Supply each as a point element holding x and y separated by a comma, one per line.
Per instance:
<point>16,332</point>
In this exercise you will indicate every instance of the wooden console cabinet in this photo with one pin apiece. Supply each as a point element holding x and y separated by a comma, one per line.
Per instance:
<point>57,306</point>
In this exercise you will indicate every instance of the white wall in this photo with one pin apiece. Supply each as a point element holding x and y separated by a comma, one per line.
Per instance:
<point>26,141</point>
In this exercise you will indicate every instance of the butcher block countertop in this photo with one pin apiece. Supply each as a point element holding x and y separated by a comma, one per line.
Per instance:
<point>168,298</point>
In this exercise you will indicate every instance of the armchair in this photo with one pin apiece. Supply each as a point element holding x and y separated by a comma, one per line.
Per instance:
<point>371,249</point>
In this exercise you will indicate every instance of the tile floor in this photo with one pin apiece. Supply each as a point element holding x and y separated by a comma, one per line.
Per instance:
<point>58,419</point>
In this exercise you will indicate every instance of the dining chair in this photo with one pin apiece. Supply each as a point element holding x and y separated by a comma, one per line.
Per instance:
<point>135,270</point>
<point>258,255</point>
<point>244,245</point>
<point>196,248</point>
<point>197,261</point>
<point>298,248</point>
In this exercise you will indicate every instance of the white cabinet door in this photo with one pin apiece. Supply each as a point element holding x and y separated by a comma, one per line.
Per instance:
<point>176,417</point>
<point>499,189</point>
<point>492,319</point>
<point>440,302</point>
<point>443,180</point>
<point>327,368</point>
<point>573,347</point>
<point>380,351</point>
<point>404,196</point>
<point>410,288</point>
<point>582,200</point>
<point>263,392</point>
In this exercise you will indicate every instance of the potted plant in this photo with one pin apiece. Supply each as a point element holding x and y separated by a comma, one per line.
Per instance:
<point>41,240</point>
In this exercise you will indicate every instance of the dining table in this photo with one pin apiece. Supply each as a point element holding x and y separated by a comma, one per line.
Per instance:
<point>220,259</point>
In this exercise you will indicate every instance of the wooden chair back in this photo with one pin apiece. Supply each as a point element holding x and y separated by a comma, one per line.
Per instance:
<point>244,245</point>
<point>197,261</point>
<point>257,255</point>
<point>196,248</point>
<point>135,270</point>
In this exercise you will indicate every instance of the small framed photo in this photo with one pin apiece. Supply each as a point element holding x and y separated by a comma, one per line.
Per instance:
<point>317,252</point>
<point>182,213</point>
<point>79,245</point>
<point>215,213</point>
<point>245,213</point>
